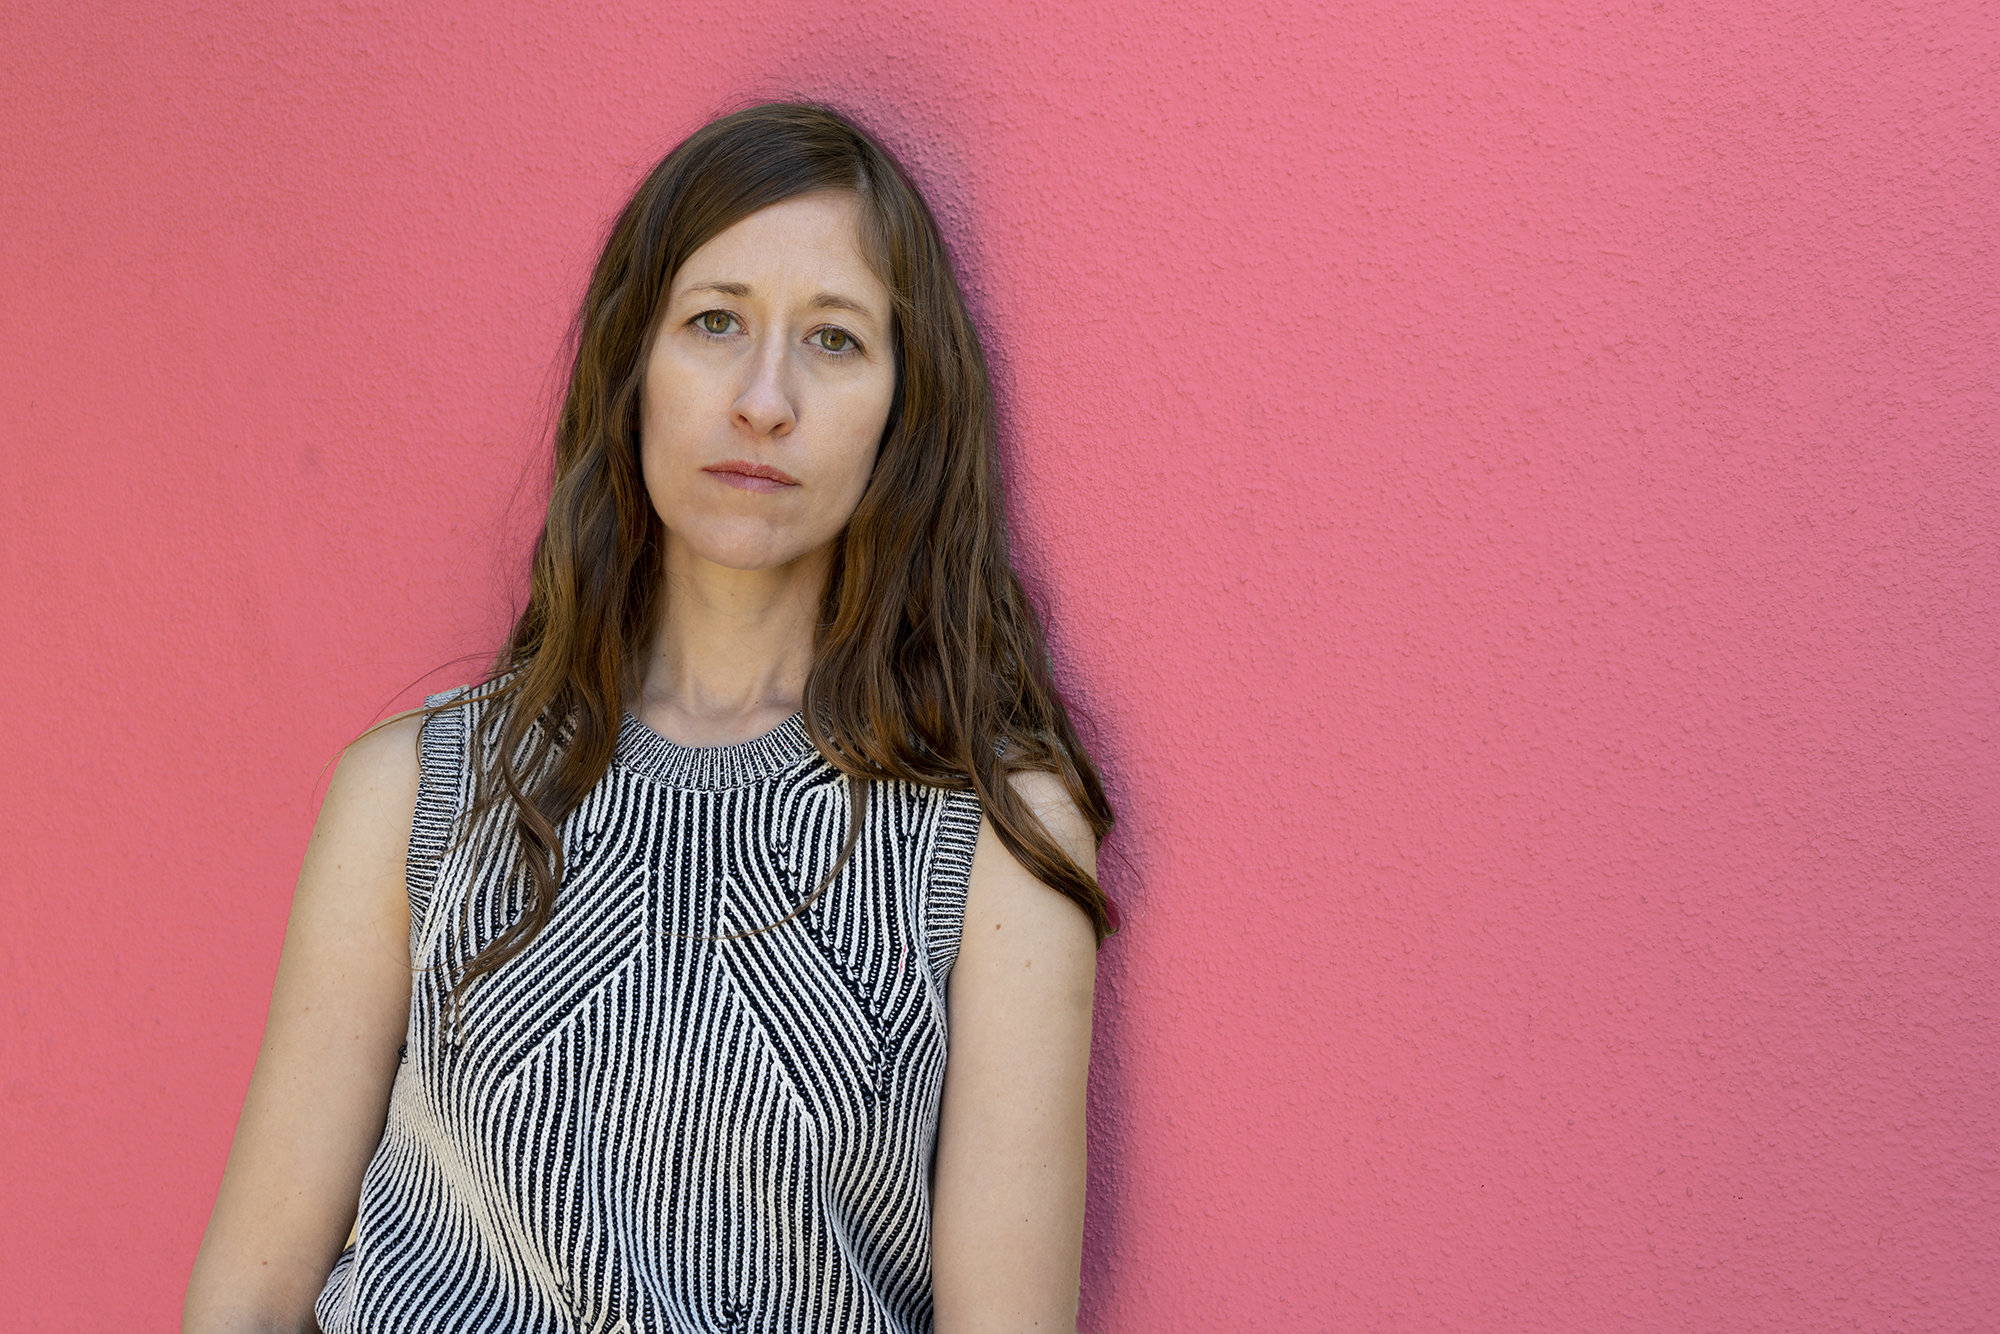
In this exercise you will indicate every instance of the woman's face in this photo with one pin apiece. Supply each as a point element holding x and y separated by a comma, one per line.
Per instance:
<point>768,385</point>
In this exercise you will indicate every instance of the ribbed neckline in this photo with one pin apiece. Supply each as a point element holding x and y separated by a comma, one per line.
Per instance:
<point>645,751</point>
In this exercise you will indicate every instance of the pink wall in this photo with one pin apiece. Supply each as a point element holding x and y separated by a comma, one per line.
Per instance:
<point>1516,485</point>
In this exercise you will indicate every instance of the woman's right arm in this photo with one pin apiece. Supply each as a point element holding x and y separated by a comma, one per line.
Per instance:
<point>320,1093</point>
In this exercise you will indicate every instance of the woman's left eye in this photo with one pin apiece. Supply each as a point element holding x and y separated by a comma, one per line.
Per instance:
<point>835,340</point>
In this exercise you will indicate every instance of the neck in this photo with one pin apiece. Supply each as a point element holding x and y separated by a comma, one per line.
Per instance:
<point>733,648</point>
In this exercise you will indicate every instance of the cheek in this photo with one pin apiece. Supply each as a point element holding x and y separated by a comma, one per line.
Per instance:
<point>866,414</point>
<point>664,418</point>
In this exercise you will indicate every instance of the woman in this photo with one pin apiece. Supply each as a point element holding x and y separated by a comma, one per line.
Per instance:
<point>769,780</point>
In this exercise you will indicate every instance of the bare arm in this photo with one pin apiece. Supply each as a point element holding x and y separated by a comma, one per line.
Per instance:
<point>1007,1229</point>
<point>320,1094</point>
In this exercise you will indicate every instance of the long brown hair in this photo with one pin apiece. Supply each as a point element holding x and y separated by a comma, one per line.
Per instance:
<point>929,664</point>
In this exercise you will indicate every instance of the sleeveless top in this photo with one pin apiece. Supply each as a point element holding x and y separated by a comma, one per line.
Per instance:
<point>659,1117</point>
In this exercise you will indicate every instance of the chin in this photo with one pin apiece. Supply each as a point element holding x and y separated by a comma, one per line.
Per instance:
<point>731,547</point>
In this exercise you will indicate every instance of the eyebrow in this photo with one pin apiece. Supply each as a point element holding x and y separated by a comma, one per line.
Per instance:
<point>823,301</point>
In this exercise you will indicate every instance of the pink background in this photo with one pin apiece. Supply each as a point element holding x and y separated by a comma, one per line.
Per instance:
<point>1514,484</point>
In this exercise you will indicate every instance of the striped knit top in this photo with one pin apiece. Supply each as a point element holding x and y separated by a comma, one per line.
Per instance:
<point>656,1118</point>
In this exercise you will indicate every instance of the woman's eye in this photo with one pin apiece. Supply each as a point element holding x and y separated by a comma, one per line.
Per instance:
<point>714,321</point>
<point>835,340</point>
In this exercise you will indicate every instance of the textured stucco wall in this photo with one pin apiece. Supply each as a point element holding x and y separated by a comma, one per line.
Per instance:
<point>1514,484</point>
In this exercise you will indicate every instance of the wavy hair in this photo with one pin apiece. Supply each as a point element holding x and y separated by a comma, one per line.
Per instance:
<point>929,664</point>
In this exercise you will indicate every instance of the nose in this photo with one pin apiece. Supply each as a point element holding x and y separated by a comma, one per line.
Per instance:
<point>767,405</point>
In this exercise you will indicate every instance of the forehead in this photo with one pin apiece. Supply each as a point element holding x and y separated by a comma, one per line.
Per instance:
<point>814,240</point>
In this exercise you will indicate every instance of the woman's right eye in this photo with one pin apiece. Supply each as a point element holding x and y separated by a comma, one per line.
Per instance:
<point>714,321</point>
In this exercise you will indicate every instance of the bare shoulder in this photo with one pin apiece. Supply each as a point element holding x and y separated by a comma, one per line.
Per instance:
<point>386,756</point>
<point>1010,913</point>
<point>363,830</point>
<point>358,846</point>
<point>1050,801</point>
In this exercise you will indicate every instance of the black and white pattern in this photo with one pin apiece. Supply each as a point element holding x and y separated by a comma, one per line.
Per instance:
<point>657,1117</point>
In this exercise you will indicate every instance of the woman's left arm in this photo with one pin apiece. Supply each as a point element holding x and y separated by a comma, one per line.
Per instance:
<point>1007,1220</point>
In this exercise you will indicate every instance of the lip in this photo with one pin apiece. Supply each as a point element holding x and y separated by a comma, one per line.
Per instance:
<point>748,476</point>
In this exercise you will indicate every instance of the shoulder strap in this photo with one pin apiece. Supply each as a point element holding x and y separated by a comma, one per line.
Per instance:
<point>443,786</point>
<point>949,873</point>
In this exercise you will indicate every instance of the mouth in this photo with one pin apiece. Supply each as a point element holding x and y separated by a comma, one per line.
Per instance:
<point>747,476</point>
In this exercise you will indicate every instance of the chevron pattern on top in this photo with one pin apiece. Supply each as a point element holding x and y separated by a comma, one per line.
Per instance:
<point>658,1117</point>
